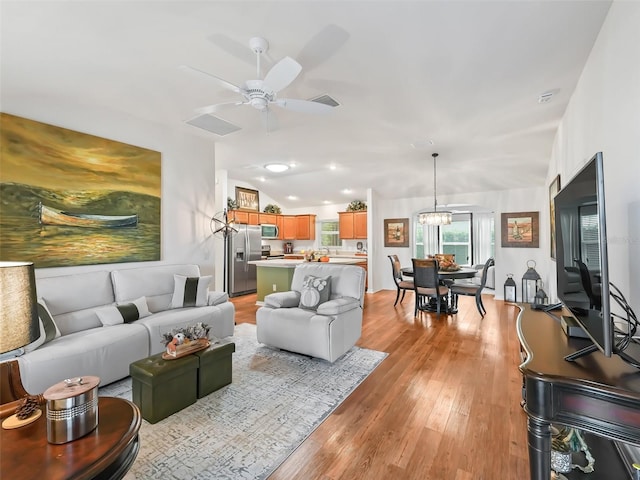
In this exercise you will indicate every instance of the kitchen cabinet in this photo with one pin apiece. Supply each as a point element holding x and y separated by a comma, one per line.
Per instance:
<point>353,225</point>
<point>280,224</point>
<point>289,227</point>
<point>305,227</point>
<point>245,217</point>
<point>268,218</point>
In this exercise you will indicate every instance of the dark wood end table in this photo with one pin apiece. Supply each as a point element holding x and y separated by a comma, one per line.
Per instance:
<point>105,453</point>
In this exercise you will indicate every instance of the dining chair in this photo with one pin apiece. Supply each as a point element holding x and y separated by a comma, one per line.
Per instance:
<point>595,300</point>
<point>401,284</point>
<point>427,284</point>
<point>471,289</point>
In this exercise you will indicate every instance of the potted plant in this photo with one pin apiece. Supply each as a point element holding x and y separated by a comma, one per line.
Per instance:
<point>357,206</point>
<point>271,208</point>
<point>231,204</point>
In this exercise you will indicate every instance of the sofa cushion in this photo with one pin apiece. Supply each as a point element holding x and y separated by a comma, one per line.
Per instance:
<point>346,280</point>
<point>72,299</point>
<point>104,352</point>
<point>190,291</point>
<point>315,291</point>
<point>338,306</point>
<point>123,313</point>
<point>48,328</point>
<point>155,283</point>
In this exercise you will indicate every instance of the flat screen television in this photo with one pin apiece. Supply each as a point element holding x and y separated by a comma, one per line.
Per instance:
<point>581,242</point>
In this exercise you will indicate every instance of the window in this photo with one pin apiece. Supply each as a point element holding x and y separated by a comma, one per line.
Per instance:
<point>470,237</point>
<point>330,233</point>
<point>456,238</point>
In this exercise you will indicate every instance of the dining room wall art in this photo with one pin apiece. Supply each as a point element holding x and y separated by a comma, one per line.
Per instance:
<point>247,199</point>
<point>520,230</point>
<point>554,188</point>
<point>396,232</point>
<point>70,198</point>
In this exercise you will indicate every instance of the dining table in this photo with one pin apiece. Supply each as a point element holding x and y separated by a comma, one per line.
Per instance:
<point>447,277</point>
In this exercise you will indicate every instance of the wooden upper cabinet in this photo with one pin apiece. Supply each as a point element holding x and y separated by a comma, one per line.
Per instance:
<point>360,224</point>
<point>353,225</point>
<point>289,227</point>
<point>346,226</point>
<point>268,218</point>
<point>305,227</point>
<point>254,218</point>
<point>280,224</point>
<point>238,216</point>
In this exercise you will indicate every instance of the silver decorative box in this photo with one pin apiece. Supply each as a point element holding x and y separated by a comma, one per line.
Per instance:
<point>72,409</point>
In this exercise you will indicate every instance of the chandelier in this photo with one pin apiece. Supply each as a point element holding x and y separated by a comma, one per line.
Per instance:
<point>434,217</point>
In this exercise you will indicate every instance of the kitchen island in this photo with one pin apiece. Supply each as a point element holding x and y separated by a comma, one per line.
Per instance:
<point>276,275</point>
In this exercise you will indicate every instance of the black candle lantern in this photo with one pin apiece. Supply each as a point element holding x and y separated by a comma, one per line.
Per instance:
<point>530,283</point>
<point>541,298</point>
<point>510,289</point>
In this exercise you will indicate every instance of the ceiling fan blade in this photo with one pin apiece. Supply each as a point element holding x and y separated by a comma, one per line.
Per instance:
<point>322,46</point>
<point>223,83</point>
<point>282,74</point>
<point>304,106</point>
<point>216,107</point>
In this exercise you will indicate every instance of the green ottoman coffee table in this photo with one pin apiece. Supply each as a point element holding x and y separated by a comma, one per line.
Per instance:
<point>214,368</point>
<point>163,387</point>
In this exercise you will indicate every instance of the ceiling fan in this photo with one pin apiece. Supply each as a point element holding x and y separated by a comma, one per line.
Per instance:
<point>262,94</point>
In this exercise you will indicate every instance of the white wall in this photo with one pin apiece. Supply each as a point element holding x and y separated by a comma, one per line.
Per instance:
<point>604,115</point>
<point>188,175</point>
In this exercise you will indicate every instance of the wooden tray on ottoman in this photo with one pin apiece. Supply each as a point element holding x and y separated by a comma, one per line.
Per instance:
<point>188,348</point>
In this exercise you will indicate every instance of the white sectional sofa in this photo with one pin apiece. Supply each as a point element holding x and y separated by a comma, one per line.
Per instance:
<point>86,347</point>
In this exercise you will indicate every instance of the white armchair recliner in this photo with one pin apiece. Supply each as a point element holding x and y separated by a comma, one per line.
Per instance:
<point>328,332</point>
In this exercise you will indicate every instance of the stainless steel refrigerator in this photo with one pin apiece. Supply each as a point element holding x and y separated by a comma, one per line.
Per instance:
<point>244,246</point>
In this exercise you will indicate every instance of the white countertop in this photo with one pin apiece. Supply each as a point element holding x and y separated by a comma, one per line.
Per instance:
<point>284,263</point>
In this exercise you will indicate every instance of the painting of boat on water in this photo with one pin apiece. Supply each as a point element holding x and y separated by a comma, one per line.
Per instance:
<point>69,198</point>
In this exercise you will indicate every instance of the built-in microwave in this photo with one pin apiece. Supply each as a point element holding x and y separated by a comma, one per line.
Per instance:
<point>269,231</point>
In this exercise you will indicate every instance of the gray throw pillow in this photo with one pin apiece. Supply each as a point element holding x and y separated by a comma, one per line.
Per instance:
<point>48,328</point>
<point>315,290</point>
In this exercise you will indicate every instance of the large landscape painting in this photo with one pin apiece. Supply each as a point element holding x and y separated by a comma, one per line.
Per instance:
<point>68,198</point>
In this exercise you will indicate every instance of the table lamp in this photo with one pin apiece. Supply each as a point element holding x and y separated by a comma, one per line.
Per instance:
<point>19,324</point>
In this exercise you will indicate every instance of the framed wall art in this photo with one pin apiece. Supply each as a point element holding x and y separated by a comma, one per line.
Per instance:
<point>247,199</point>
<point>554,188</point>
<point>396,232</point>
<point>520,230</point>
<point>70,198</point>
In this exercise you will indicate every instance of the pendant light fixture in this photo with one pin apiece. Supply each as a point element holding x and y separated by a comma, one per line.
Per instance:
<point>435,217</point>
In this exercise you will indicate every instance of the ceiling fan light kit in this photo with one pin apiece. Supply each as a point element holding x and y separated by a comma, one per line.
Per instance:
<point>435,217</point>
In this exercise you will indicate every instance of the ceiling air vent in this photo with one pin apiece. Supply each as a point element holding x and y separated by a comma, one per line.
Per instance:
<point>326,100</point>
<point>213,124</point>
<point>545,97</point>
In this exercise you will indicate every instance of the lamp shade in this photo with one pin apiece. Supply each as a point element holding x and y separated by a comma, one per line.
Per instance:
<point>18,308</point>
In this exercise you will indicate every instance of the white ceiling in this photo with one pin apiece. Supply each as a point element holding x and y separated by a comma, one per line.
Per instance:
<point>466,75</point>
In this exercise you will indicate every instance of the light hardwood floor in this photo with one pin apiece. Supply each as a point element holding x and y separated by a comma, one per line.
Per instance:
<point>445,403</point>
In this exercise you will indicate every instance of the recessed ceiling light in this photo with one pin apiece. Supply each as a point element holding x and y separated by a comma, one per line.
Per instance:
<point>292,197</point>
<point>326,202</point>
<point>277,167</point>
<point>332,167</point>
<point>347,191</point>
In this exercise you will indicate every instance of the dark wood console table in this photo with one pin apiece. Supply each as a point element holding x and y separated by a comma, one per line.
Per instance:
<point>596,394</point>
<point>105,453</point>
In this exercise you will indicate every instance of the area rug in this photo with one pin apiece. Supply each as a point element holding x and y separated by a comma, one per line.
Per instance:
<point>248,428</point>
